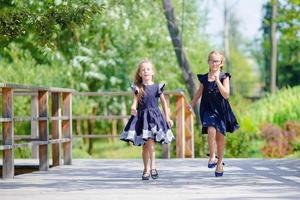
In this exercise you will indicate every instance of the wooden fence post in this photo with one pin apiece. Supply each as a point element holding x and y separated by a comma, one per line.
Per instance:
<point>8,133</point>
<point>67,127</point>
<point>43,130</point>
<point>189,135</point>
<point>55,130</point>
<point>180,127</point>
<point>34,125</point>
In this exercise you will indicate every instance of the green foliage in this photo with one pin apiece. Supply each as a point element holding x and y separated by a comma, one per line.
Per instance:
<point>44,19</point>
<point>118,149</point>
<point>288,59</point>
<point>275,109</point>
<point>20,67</point>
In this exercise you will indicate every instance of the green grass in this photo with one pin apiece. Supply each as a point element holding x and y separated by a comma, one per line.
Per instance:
<point>115,150</point>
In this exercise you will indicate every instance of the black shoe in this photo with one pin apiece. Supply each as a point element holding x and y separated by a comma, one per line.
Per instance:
<point>145,176</point>
<point>215,163</point>
<point>219,174</point>
<point>154,173</point>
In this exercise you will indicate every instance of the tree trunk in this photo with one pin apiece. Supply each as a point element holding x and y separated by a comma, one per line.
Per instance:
<point>182,60</point>
<point>177,44</point>
<point>91,127</point>
<point>225,35</point>
<point>273,46</point>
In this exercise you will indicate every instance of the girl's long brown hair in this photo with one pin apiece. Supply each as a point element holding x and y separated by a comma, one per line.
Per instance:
<point>138,81</point>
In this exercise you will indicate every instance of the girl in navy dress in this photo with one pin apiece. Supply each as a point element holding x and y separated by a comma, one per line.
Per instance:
<point>215,112</point>
<point>147,125</point>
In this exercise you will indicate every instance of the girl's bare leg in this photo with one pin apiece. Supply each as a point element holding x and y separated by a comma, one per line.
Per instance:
<point>220,140</point>
<point>211,143</point>
<point>145,154</point>
<point>152,154</point>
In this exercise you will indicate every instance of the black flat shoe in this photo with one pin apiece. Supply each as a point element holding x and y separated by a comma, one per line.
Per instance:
<point>154,173</point>
<point>219,174</point>
<point>145,176</point>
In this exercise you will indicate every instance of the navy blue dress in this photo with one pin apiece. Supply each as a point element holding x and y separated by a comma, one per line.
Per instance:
<point>215,110</point>
<point>149,121</point>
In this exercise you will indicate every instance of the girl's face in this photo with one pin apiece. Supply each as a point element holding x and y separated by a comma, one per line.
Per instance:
<point>146,72</point>
<point>215,62</point>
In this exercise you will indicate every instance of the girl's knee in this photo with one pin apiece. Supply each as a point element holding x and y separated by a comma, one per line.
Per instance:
<point>219,135</point>
<point>211,129</point>
<point>145,146</point>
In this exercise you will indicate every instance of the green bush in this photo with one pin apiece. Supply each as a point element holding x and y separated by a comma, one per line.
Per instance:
<point>275,109</point>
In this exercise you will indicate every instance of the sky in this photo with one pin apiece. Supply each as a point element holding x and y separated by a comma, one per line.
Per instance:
<point>249,12</point>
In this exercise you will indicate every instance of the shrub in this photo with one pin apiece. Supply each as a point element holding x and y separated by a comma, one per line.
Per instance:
<point>279,142</point>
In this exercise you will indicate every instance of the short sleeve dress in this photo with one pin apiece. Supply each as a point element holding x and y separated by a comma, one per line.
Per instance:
<point>215,110</point>
<point>149,121</point>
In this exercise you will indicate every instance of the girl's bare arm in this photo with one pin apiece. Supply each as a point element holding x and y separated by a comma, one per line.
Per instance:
<point>224,88</point>
<point>166,110</point>
<point>197,96</point>
<point>164,106</point>
<point>134,105</point>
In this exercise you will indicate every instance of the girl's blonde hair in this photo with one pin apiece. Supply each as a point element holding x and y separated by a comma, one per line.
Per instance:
<point>138,81</point>
<point>210,55</point>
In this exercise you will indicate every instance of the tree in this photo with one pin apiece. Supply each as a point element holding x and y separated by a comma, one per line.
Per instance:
<point>178,48</point>
<point>273,46</point>
<point>288,44</point>
<point>50,24</point>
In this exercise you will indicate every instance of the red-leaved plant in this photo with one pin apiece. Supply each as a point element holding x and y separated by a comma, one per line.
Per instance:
<point>279,142</point>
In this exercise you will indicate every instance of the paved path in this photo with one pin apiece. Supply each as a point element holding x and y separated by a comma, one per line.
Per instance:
<point>179,180</point>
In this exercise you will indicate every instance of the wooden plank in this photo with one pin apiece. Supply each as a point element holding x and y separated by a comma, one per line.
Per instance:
<point>96,136</point>
<point>101,117</point>
<point>124,111</point>
<point>34,88</point>
<point>188,152</point>
<point>189,124</point>
<point>6,119</point>
<point>34,125</point>
<point>56,147</point>
<point>103,93</point>
<point>67,127</point>
<point>5,147</point>
<point>62,140</point>
<point>129,93</point>
<point>8,133</point>
<point>114,129</point>
<point>43,130</point>
<point>59,117</point>
<point>180,134</point>
<point>23,93</point>
<point>22,145</point>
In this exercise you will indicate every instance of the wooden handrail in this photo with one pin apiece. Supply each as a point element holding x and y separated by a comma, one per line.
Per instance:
<point>39,119</point>
<point>34,88</point>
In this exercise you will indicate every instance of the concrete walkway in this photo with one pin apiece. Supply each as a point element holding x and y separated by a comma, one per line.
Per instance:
<point>179,180</point>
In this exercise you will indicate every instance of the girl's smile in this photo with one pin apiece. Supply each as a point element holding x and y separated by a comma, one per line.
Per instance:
<point>146,72</point>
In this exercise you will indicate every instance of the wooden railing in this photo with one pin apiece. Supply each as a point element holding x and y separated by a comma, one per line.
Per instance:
<point>60,121</point>
<point>61,125</point>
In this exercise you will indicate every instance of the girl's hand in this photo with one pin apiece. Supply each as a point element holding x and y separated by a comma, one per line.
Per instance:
<point>133,111</point>
<point>216,76</point>
<point>170,123</point>
<point>189,107</point>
